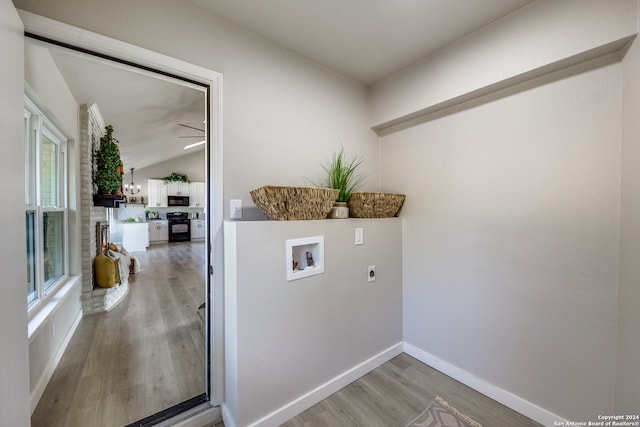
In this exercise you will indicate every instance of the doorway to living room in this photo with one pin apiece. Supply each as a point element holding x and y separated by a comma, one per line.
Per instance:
<point>182,262</point>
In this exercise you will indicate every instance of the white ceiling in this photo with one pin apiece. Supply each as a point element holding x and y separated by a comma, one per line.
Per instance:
<point>366,40</point>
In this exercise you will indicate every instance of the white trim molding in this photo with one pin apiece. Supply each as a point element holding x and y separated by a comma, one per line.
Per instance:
<point>80,38</point>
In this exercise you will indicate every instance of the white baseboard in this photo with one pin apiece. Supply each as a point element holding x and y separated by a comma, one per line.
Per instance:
<point>37,391</point>
<point>227,418</point>
<point>498,394</point>
<point>198,419</point>
<point>325,390</point>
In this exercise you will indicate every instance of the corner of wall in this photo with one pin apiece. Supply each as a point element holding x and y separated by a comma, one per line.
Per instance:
<point>510,400</point>
<point>627,394</point>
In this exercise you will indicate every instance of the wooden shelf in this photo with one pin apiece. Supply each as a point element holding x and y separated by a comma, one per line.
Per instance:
<point>144,205</point>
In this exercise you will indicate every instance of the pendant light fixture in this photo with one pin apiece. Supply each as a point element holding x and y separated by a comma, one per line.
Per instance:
<point>131,188</point>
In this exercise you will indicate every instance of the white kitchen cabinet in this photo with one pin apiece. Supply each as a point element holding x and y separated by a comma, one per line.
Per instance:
<point>158,231</point>
<point>157,193</point>
<point>198,229</point>
<point>197,198</point>
<point>135,236</point>
<point>177,188</point>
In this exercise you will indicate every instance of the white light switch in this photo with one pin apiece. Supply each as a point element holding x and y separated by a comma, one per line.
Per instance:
<point>235,209</point>
<point>359,236</point>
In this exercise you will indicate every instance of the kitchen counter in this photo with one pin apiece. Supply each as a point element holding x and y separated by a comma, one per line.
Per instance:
<point>135,236</point>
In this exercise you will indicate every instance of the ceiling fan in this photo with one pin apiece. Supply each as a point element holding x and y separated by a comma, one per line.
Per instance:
<point>193,136</point>
<point>191,127</point>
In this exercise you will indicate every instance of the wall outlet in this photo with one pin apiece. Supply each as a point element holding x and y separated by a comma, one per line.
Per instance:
<point>371,273</point>
<point>235,209</point>
<point>359,236</point>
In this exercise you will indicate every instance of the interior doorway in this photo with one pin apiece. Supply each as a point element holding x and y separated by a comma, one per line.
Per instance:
<point>166,68</point>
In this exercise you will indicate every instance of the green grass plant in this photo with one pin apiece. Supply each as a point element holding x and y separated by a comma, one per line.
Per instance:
<point>343,174</point>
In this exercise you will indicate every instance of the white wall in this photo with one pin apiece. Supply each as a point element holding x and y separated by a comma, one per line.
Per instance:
<point>14,373</point>
<point>511,222</point>
<point>627,398</point>
<point>193,164</point>
<point>52,324</point>
<point>513,209</point>
<point>283,115</point>
<point>49,337</point>
<point>286,339</point>
<point>52,94</point>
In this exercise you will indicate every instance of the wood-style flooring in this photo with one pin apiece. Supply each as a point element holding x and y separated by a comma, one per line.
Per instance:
<point>143,356</point>
<point>395,393</point>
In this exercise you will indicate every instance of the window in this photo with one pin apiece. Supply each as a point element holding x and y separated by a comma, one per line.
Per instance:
<point>45,204</point>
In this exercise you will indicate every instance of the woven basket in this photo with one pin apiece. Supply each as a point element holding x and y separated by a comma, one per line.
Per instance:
<point>375,205</point>
<point>294,203</point>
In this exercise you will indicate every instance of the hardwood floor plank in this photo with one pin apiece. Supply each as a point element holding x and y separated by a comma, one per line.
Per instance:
<point>88,400</point>
<point>190,380</point>
<point>396,393</point>
<point>143,356</point>
<point>128,401</point>
<point>362,401</point>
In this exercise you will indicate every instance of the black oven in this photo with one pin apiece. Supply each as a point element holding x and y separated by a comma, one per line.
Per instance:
<point>178,200</point>
<point>179,226</point>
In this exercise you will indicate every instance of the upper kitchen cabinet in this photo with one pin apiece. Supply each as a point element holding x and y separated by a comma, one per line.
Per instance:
<point>157,193</point>
<point>197,197</point>
<point>177,188</point>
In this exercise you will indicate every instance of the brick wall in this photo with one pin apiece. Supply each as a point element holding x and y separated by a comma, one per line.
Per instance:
<point>94,299</point>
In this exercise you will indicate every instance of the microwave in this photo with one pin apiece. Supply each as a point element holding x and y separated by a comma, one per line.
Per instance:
<point>178,201</point>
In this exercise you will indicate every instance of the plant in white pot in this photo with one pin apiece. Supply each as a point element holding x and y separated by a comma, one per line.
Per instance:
<point>342,174</point>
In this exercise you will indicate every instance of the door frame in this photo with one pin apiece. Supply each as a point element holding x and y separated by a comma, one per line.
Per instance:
<point>144,58</point>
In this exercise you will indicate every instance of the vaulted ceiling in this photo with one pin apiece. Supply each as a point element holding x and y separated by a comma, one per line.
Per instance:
<point>154,117</point>
<point>366,40</point>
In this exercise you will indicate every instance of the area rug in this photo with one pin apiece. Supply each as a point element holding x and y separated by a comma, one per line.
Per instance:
<point>441,414</point>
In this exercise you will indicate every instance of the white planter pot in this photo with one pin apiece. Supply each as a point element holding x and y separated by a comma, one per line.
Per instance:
<point>340,210</point>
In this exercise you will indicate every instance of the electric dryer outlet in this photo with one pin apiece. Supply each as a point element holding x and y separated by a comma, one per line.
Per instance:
<point>371,273</point>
